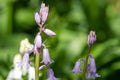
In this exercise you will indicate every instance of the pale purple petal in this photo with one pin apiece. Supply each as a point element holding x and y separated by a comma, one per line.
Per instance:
<point>76,68</point>
<point>25,61</point>
<point>91,73</point>
<point>37,18</point>
<point>46,56</point>
<point>49,32</point>
<point>38,41</point>
<point>35,49</point>
<point>44,16</point>
<point>51,75</point>
<point>92,65</point>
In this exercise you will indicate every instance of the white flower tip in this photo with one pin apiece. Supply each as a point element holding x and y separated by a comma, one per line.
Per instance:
<point>43,4</point>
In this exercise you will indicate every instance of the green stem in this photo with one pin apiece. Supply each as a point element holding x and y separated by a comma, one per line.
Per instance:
<point>85,65</point>
<point>37,65</point>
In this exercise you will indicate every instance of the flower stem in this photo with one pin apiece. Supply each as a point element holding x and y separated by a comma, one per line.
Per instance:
<point>37,65</point>
<point>85,65</point>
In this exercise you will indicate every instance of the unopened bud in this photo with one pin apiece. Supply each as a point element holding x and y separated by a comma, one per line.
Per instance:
<point>49,32</point>
<point>91,38</point>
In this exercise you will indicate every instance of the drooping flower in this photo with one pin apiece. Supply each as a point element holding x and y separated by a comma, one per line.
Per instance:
<point>44,12</point>
<point>25,61</point>
<point>37,18</point>
<point>46,56</point>
<point>91,73</point>
<point>51,75</point>
<point>76,68</point>
<point>49,32</point>
<point>38,41</point>
<point>16,72</point>
<point>91,38</point>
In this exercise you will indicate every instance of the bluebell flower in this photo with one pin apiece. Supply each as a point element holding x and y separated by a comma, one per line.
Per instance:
<point>51,75</point>
<point>76,68</point>
<point>91,69</point>
<point>37,18</point>
<point>46,56</point>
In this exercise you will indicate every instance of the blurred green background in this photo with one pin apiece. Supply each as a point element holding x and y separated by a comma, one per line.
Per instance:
<point>71,20</point>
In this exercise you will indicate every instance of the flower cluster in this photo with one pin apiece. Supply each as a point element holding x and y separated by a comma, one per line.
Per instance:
<point>39,44</point>
<point>89,68</point>
<point>39,47</point>
<point>21,65</point>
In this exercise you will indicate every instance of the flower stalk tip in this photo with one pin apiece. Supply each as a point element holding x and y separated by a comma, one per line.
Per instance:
<point>91,38</point>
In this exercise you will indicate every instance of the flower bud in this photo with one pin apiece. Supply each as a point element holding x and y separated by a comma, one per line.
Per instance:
<point>38,41</point>
<point>91,38</point>
<point>37,18</point>
<point>44,12</point>
<point>49,32</point>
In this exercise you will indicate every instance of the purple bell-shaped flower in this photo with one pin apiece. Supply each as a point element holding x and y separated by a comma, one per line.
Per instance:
<point>46,56</point>
<point>76,68</point>
<point>91,73</point>
<point>51,75</point>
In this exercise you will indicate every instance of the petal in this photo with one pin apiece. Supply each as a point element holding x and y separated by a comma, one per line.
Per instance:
<point>76,68</point>
<point>46,56</point>
<point>51,75</point>
<point>25,61</point>
<point>35,49</point>
<point>37,18</point>
<point>92,66</point>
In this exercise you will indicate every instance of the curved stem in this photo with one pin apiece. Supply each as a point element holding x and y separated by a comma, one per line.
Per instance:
<point>85,65</point>
<point>37,65</point>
